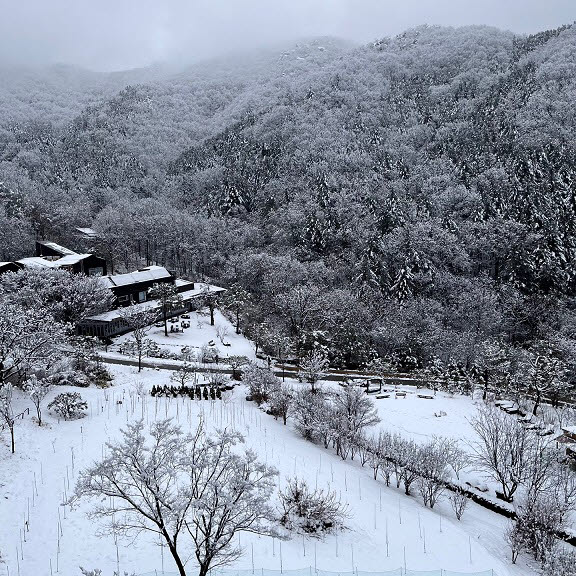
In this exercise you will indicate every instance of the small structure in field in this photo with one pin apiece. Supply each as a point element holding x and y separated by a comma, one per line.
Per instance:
<point>568,440</point>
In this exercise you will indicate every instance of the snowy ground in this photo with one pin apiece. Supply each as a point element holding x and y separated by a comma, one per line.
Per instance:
<point>39,536</point>
<point>199,334</point>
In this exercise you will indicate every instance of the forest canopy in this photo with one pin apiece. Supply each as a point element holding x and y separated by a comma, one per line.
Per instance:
<point>413,198</point>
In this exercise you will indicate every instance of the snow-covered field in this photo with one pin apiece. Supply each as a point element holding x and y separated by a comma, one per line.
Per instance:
<point>39,536</point>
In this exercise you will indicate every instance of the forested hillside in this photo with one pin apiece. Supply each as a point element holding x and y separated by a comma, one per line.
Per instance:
<point>413,199</point>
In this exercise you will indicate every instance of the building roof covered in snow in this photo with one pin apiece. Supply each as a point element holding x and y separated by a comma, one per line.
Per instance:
<point>149,274</point>
<point>88,232</point>
<point>37,262</point>
<point>56,248</point>
<point>70,260</point>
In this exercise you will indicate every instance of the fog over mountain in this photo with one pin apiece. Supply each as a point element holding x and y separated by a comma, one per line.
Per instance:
<point>116,35</point>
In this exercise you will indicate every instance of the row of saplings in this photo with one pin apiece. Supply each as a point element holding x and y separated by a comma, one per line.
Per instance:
<point>206,392</point>
<point>506,451</point>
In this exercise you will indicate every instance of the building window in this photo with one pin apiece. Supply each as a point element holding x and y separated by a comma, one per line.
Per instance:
<point>123,299</point>
<point>142,296</point>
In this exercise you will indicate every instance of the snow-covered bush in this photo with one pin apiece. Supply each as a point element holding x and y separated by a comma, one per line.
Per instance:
<point>311,511</point>
<point>261,382</point>
<point>560,562</point>
<point>69,405</point>
<point>312,413</point>
<point>70,377</point>
<point>280,402</point>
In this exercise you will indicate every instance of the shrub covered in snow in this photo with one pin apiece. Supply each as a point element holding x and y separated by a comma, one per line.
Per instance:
<point>261,382</point>
<point>69,405</point>
<point>311,511</point>
<point>560,562</point>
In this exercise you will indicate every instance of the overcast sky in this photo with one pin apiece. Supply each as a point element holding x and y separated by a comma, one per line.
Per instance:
<point>120,34</point>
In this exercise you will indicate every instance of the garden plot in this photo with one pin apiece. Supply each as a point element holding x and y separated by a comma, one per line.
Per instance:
<point>386,529</point>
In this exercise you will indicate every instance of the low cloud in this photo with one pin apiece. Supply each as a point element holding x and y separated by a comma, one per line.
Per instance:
<point>120,34</point>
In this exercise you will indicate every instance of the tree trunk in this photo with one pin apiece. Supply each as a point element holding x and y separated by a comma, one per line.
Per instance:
<point>12,437</point>
<point>485,395</point>
<point>237,320</point>
<point>39,413</point>
<point>176,556</point>
<point>537,403</point>
<point>211,315</point>
<point>139,359</point>
<point>204,568</point>
<point>165,320</point>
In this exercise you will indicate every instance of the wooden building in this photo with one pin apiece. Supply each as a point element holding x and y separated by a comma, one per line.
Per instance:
<point>111,323</point>
<point>133,288</point>
<point>568,440</point>
<point>87,264</point>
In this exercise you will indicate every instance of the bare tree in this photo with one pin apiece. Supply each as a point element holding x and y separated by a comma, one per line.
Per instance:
<point>515,538</point>
<point>503,448</point>
<point>169,298</point>
<point>457,459</point>
<point>140,321</point>
<point>261,382</point>
<point>537,524</point>
<point>222,331</point>
<point>406,456</point>
<point>38,388</point>
<point>544,372</point>
<point>459,501</point>
<point>7,410</point>
<point>312,368</point>
<point>281,399</point>
<point>354,411</point>
<point>433,468</point>
<point>195,491</point>
<point>564,483</point>
<point>541,463</point>
<point>312,414</point>
<point>236,362</point>
<point>560,562</point>
<point>184,374</point>
<point>209,299</point>
<point>236,300</point>
<point>28,339</point>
